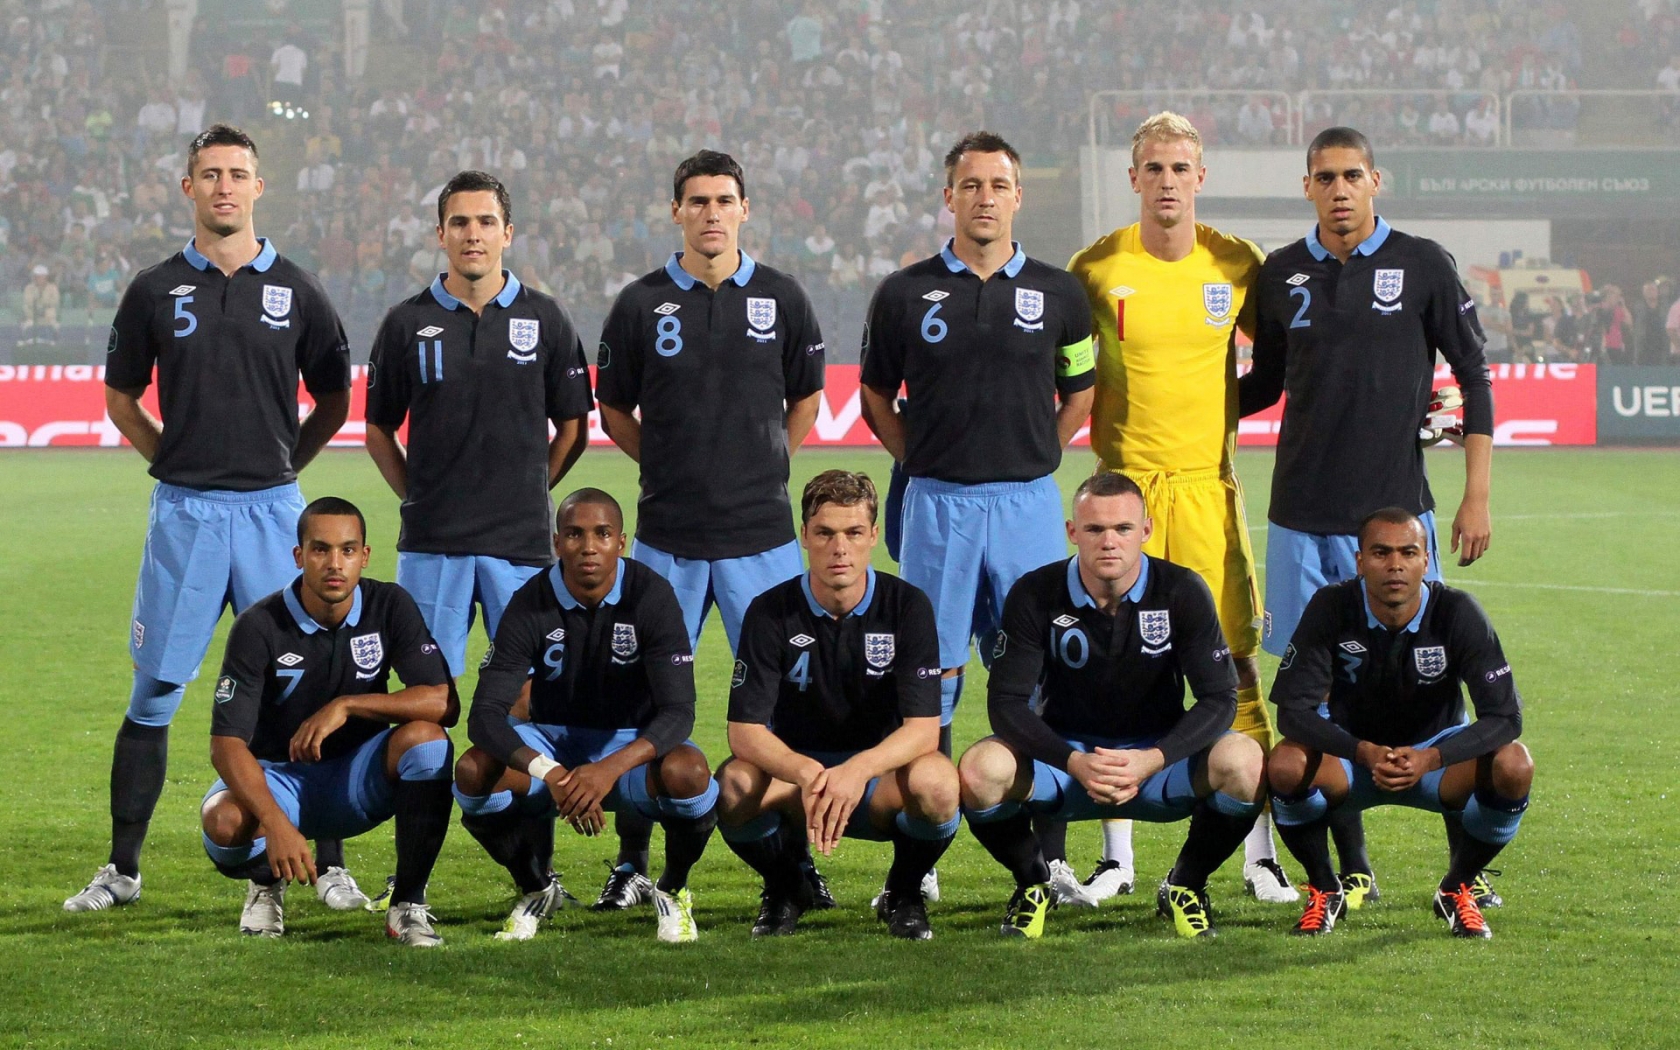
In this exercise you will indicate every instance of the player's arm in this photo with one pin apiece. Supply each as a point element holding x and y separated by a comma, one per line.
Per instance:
<point>804,368</point>
<point>324,361</point>
<point>142,429</point>
<point>801,417</point>
<point>324,420</point>
<point>624,428</point>
<point>1453,329</point>
<point>129,358</point>
<point>753,691</point>
<point>882,372</point>
<point>387,404</point>
<point>567,398</point>
<point>1262,386</point>
<point>618,376</point>
<point>233,722</point>
<point>1303,683</point>
<point>1205,660</point>
<point>1486,675</point>
<point>571,437</point>
<point>389,456</point>
<point>512,657</point>
<point>1076,365</point>
<point>1018,667</point>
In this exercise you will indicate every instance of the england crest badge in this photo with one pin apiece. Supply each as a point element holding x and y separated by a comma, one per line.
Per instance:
<point>367,650</point>
<point>1029,304</point>
<point>761,313</point>
<point>1155,625</point>
<point>1216,300</point>
<point>624,644</point>
<point>1431,661</point>
<point>522,336</point>
<point>1387,285</point>
<point>878,650</point>
<point>277,300</point>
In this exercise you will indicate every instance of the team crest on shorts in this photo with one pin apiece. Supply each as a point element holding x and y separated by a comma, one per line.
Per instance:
<point>1431,661</point>
<point>139,634</point>
<point>1387,285</point>
<point>1029,307</point>
<point>1216,300</point>
<point>761,313</point>
<point>522,335</point>
<point>1156,627</point>
<point>878,650</point>
<point>368,651</point>
<point>277,300</point>
<point>624,644</point>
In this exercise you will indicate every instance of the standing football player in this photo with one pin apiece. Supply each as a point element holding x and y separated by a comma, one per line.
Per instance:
<point>230,325</point>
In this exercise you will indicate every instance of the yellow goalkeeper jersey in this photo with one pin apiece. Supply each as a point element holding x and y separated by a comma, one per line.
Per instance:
<point>1166,362</point>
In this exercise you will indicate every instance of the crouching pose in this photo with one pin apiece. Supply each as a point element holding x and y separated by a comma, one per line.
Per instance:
<point>1107,641</point>
<point>301,732</point>
<point>1370,681</point>
<point>600,641</point>
<point>834,719</point>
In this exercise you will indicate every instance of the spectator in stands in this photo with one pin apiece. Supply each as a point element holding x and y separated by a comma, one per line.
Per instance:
<point>1481,124</point>
<point>1650,341</point>
<point>287,66</point>
<point>1444,128</point>
<point>40,308</point>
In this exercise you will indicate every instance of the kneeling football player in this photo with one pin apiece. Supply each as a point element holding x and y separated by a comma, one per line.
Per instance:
<point>302,731</point>
<point>834,718</point>
<point>1372,714</point>
<point>599,639</point>
<point>1107,640</point>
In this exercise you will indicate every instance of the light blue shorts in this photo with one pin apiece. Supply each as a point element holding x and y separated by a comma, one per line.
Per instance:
<point>446,586</point>
<point>732,583</point>
<point>205,551</point>
<point>574,745</point>
<point>1167,796</point>
<point>966,545</point>
<point>1363,792</point>
<point>1299,563</point>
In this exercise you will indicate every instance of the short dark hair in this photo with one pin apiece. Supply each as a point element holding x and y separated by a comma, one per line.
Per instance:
<point>1108,483</point>
<point>1389,516</point>
<point>708,162</point>
<point>979,142</point>
<point>330,507</point>
<point>847,488</point>
<point>472,182</point>
<point>218,135</point>
<point>598,497</point>
<point>1341,138</point>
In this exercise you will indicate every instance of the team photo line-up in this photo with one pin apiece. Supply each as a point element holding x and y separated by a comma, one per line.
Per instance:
<point>979,366</point>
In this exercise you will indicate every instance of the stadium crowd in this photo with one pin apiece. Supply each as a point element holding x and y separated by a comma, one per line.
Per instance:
<point>838,114</point>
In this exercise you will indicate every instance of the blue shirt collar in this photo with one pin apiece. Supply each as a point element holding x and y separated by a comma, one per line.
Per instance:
<point>1368,246</point>
<point>1371,620</point>
<point>1012,268</point>
<point>686,281</point>
<point>306,623</point>
<point>857,610</point>
<point>265,256</point>
<point>1081,597</point>
<point>504,298</point>
<point>558,582</point>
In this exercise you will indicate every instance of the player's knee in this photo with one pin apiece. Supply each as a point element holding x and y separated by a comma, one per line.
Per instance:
<point>413,734</point>
<point>738,782</point>
<point>1513,770</point>
<point>476,772</point>
<point>1286,768</point>
<point>985,773</point>
<point>683,772</point>
<point>1236,766</point>
<point>932,785</point>
<point>225,823</point>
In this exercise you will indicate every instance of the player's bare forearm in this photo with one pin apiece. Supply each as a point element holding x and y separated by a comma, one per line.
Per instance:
<point>1073,413</point>
<point>624,429</point>
<point>801,417</point>
<point>1473,524</point>
<point>244,778</point>
<point>880,414</point>
<point>142,429</point>
<point>756,744</point>
<point>911,740</point>
<point>571,437</point>
<point>416,703</point>
<point>318,428</point>
<point>389,456</point>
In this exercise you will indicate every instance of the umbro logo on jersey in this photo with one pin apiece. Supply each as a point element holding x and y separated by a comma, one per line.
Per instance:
<point>936,295</point>
<point>289,660</point>
<point>182,289</point>
<point>557,635</point>
<point>1065,621</point>
<point>666,309</point>
<point>1351,646</point>
<point>1121,292</point>
<point>1298,280</point>
<point>801,640</point>
<point>429,331</point>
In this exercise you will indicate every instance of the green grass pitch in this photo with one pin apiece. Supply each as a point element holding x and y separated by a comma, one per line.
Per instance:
<point>1583,582</point>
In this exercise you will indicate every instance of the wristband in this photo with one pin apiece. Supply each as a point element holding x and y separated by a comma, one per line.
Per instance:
<point>540,767</point>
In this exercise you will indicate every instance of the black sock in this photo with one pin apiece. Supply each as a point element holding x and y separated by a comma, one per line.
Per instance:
<point>500,834</point>
<point>1213,837</point>
<point>635,832</point>
<point>945,741</point>
<point>797,845</point>
<point>139,763</point>
<point>329,853</point>
<point>685,841</point>
<point>1052,837</point>
<point>1471,856</point>
<point>422,818</point>
<point>538,833</point>
<point>1012,844</point>
<point>912,859</point>
<point>1347,827</point>
<point>1309,844</point>
<point>1455,832</point>
<point>256,870</point>
<point>769,857</point>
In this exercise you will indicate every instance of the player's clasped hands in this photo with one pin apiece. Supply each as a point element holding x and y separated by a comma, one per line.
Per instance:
<point>830,799</point>
<point>1112,776</point>
<point>578,793</point>
<point>1402,767</point>
<point>307,741</point>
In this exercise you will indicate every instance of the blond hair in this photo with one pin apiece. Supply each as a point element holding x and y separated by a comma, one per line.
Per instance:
<point>1166,126</point>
